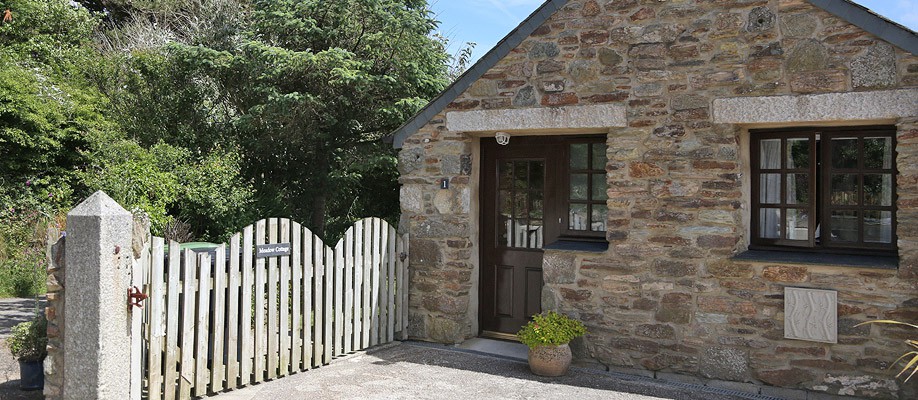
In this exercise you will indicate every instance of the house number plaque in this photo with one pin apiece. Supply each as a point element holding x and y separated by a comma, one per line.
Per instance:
<point>272,250</point>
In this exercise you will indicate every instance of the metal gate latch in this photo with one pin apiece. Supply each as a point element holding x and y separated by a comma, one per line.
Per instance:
<point>135,296</point>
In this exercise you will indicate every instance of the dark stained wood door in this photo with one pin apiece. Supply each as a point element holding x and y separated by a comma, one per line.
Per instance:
<point>514,227</point>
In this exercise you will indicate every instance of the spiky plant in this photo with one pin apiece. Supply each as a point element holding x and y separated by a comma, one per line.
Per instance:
<point>911,364</point>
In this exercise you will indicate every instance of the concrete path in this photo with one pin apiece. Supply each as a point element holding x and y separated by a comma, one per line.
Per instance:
<point>12,312</point>
<point>423,371</point>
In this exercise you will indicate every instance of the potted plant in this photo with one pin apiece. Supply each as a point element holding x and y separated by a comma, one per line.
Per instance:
<point>910,357</point>
<point>28,344</point>
<point>547,336</point>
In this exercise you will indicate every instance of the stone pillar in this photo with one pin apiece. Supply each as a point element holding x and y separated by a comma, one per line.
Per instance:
<point>97,346</point>
<point>54,311</point>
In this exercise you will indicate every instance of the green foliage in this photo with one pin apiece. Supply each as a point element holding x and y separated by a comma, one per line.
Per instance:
<point>550,328</point>
<point>909,358</point>
<point>29,340</point>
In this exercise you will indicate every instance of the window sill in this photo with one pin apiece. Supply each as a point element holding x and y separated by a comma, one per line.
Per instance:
<point>576,245</point>
<point>883,262</point>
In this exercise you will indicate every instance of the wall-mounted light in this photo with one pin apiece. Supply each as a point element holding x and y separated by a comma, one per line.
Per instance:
<point>503,138</point>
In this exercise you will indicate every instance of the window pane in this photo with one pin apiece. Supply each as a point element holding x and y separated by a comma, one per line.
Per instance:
<point>535,234</point>
<point>599,156</point>
<point>521,205</point>
<point>770,188</point>
<point>878,189</point>
<point>578,218</point>
<point>598,219</point>
<point>537,172</point>
<point>538,204</point>
<point>878,226</point>
<point>844,153</point>
<point>878,152</point>
<point>798,223</point>
<point>599,187</point>
<point>844,226</point>
<point>798,153</point>
<point>521,174</point>
<point>579,156</point>
<point>579,186</point>
<point>505,179</point>
<point>798,189</point>
<point>770,223</point>
<point>844,189</point>
<point>770,153</point>
<point>505,230</point>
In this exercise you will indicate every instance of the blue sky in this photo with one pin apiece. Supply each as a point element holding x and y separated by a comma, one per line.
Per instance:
<point>485,22</point>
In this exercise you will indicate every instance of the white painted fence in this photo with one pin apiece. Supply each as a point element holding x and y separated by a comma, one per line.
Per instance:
<point>225,319</point>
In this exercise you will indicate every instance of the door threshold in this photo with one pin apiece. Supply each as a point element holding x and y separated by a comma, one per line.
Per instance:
<point>513,350</point>
<point>499,335</point>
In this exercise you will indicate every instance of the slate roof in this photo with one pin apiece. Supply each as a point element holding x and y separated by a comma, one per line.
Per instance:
<point>847,10</point>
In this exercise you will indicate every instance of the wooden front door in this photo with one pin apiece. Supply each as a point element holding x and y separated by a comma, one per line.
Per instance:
<point>514,228</point>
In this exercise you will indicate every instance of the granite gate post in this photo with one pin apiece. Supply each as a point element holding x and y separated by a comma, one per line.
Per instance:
<point>97,347</point>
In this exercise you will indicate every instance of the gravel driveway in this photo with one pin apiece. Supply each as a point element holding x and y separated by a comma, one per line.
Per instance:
<point>12,312</point>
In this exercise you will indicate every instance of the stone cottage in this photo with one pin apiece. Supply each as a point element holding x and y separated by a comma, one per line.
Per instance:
<point>721,190</point>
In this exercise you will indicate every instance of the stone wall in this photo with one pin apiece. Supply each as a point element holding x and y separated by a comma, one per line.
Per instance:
<point>667,296</point>
<point>54,311</point>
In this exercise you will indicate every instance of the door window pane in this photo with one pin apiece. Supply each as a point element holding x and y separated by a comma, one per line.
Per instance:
<point>599,156</point>
<point>770,154</point>
<point>770,188</point>
<point>599,187</point>
<point>521,174</point>
<point>878,152</point>
<point>798,153</point>
<point>579,156</point>
<point>505,220</point>
<point>578,218</point>
<point>770,223</point>
<point>598,220</point>
<point>878,226</point>
<point>537,175</point>
<point>844,226</point>
<point>798,223</point>
<point>844,153</point>
<point>878,189</point>
<point>505,177</point>
<point>798,189</point>
<point>844,189</point>
<point>579,186</point>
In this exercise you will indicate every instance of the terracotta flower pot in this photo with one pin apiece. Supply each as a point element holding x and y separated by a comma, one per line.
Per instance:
<point>549,360</point>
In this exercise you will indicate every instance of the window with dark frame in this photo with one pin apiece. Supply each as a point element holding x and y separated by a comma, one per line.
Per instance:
<point>824,189</point>
<point>586,208</point>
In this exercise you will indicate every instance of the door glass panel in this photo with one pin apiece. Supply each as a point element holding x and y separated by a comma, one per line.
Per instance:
<point>579,186</point>
<point>534,234</point>
<point>798,153</point>
<point>599,187</point>
<point>770,188</point>
<point>844,153</point>
<point>798,222</point>
<point>878,152</point>
<point>599,156</point>
<point>598,219</point>
<point>521,174</point>
<point>537,175</point>
<point>844,226</point>
<point>505,219</point>
<point>521,205</point>
<point>505,177</point>
<point>770,154</point>
<point>844,189</point>
<point>878,190</point>
<point>798,189</point>
<point>770,223</point>
<point>878,226</point>
<point>579,156</point>
<point>578,218</point>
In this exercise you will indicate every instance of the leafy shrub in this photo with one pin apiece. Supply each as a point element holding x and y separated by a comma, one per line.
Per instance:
<point>910,363</point>
<point>29,339</point>
<point>550,328</point>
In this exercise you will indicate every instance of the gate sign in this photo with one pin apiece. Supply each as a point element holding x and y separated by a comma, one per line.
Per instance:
<point>272,250</point>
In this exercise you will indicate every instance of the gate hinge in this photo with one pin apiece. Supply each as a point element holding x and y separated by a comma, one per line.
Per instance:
<point>135,297</point>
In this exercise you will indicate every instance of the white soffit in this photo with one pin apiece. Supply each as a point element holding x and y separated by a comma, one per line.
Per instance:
<point>851,106</point>
<point>811,314</point>
<point>578,117</point>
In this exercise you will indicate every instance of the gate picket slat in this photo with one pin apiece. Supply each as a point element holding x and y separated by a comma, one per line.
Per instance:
<point>367,286</point>
<point>374,279</point>
<point>273,358</point>
<point>216,371</point>
<point>405,288</point>
<point>339,299</point>
<point>232,336</point>
<point>245,323</point>
<point>296,320</point>
<point>201,375</point>
<point>259,303</point>
<point>319,301</point>
<point>390,296</point>
<point>157,331</point>
<point>308,285</point>
<point>328,325</point>
<point>383,280</point>
<point>348,267</point>
<point>284,310</point>
<point>188,322</point>
<point>172,321</point>
<point>358,285</point>
<point>139,271</point>
<point>399,286</point>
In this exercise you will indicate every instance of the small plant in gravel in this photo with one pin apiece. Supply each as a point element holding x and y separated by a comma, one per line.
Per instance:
<point>550,328</point>
<point>29,340</point>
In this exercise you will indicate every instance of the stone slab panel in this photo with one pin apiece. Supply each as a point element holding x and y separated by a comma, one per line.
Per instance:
<point>560,118</point>
<point>811,314</point>
<point>855,106</point>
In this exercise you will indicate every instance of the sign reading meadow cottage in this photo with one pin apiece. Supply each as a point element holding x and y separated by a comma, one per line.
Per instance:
<point>673,167</point>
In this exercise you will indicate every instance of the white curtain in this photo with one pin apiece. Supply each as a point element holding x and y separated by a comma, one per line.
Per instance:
<point>770,188</point>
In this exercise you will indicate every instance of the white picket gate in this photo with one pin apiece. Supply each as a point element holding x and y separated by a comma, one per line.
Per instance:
<point>224,319</point>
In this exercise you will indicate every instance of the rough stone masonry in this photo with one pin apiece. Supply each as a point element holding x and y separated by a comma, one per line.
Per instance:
<point>667,295</point>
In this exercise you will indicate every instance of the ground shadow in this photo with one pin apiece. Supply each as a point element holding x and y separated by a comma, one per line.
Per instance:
<point>9,390</point>
<point>448,357</point>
